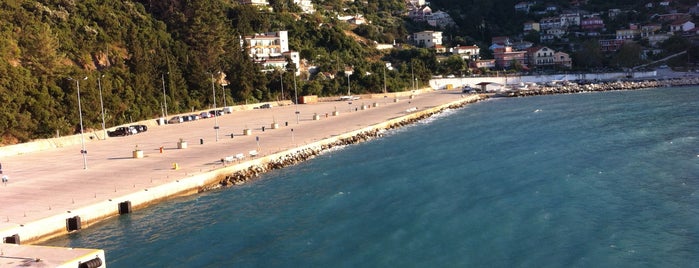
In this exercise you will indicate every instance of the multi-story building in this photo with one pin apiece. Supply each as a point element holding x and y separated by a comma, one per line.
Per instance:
<point>592,24</point>
<point>570,19</point>
<point>628,34</point>
<point>610,45</point>
<point>506,57</point>
<point>539,57</point>
<point>271,49</point>
<point>427,39</point>
<point>550,23</point>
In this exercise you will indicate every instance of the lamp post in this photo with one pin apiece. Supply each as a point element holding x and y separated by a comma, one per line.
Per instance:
<point>281,83</point>
<point>162,78</point>
<point>223,87</point>
<point>213,90</point>
<point>348,83</point>
<point>99,84</point>
<point>296,97</point>
<point>80,113</point>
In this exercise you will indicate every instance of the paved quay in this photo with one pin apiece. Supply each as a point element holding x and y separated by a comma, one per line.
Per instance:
<point>47,190</point>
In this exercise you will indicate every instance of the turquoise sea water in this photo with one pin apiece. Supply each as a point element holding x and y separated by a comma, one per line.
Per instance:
<point>586,180</point>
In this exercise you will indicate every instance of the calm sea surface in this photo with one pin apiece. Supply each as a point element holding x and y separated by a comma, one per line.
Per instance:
<point>586,180</point>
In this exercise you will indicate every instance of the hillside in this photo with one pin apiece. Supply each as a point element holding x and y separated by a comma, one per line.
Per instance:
<point>138,53</point>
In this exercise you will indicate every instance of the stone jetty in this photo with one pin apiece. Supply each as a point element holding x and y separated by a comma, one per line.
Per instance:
<point>584,86</point>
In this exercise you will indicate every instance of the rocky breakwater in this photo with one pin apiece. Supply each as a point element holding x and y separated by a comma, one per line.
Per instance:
<point>571,87</point>
<point>302,154</point>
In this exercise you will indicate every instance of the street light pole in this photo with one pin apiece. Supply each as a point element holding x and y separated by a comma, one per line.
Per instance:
<point>296,96</point>
<point>281,82</point>
<point>213,90</point>
<point>223,87</point>
<point>162,77</point>
<point>80,113</point>
<point>348,84</point>
<point>99,84</point>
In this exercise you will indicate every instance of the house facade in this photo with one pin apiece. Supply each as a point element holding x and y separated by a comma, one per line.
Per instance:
<point>427,39</point>
<point>270,49</point>
<point>592,24</point>
<point>610,45</point>
<point>505,58</point>
<point>628,34</point>
<point>562,60</point>
<point>681,26</point>
<point>540,57</point>
<point>466,52</point>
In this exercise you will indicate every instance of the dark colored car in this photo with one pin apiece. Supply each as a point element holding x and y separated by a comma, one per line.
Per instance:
<point>120,131</point>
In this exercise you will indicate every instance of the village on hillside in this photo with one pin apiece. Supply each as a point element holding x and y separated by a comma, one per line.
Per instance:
<point>544,44</point>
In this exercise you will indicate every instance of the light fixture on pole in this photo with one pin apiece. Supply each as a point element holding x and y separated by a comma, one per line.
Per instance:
<point>213,90</point>
<point>99,84</point>
<point>80,113</point>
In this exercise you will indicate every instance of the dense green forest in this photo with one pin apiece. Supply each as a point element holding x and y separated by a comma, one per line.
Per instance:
<point>138,55</point>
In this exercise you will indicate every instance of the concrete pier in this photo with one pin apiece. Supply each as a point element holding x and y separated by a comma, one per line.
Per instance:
<point>48,186</point>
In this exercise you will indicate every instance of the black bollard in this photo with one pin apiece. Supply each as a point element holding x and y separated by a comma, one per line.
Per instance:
<point>263,129</point>
<point>201,141</point>
<point>286,123</point>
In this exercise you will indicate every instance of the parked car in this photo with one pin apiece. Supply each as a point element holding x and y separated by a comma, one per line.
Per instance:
<point>216,113</point>
<point>193,117</point>
<point>120,131</point>
<point>205,115</point>
<point>265,106</point>
<point>140,128</point>
<point>175,120</point>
